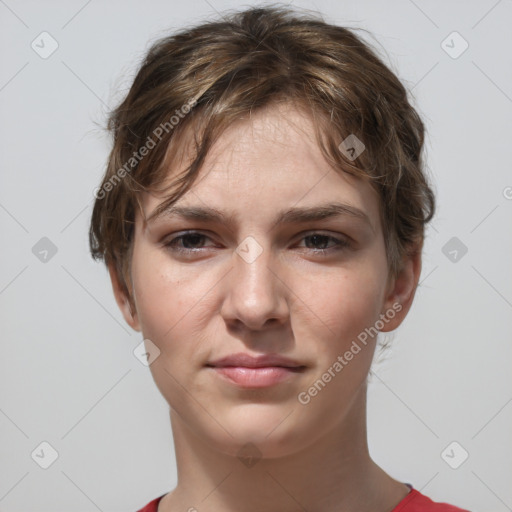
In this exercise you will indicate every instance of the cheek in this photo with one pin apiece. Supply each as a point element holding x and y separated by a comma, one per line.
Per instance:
<point>345,302</point>
<point>170,299</point>
<point>358,301</point>
<point>156,293</point>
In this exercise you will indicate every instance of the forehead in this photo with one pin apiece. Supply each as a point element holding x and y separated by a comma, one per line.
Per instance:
<point>264,163</point>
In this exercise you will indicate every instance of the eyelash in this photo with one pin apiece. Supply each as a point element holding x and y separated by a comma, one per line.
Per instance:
<point>341,244</point>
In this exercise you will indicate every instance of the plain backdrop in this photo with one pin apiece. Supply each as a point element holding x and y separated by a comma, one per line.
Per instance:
<point>69,377</point>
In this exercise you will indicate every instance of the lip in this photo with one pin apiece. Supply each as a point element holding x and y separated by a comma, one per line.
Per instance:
<point>256,372</point>
<point>248,361</point>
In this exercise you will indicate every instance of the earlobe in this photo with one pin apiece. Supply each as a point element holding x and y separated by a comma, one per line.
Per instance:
<point>121,295</point>
<point>401,291</point>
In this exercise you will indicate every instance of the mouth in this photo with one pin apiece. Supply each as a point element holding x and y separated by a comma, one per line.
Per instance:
<point>256,372</point>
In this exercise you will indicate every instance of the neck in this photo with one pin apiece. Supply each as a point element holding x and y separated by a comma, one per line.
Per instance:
<point>334,473</point>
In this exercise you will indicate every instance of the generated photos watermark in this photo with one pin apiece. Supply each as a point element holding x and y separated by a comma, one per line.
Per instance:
<point>150,143</point>
<point>304,397</point>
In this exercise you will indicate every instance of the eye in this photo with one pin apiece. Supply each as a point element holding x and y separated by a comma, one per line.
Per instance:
<point>320,239</point>
<point>193,241</point>
<point>187,242</point>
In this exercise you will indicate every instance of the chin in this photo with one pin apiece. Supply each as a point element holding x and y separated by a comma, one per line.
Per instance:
<point>262,430</point>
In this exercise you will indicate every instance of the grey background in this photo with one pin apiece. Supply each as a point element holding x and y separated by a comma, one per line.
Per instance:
<point>68,373</point>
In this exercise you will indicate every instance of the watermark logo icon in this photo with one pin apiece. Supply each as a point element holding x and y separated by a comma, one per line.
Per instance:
<point>146,352</point>
<point>454,455</point>
<point>249,249</point>
<point>454,249</point>
<point>45,45</point>
<point>44,250</point>
<point>454,45</point>
<point>249,455</point>
<point>351,147</point>
<point>44,455</point>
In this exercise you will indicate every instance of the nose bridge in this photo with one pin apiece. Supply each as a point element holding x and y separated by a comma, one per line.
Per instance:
<point>252,272</point>
<point>254,290</point>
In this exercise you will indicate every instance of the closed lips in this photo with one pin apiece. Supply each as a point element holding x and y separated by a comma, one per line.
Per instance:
<point>248,361</point>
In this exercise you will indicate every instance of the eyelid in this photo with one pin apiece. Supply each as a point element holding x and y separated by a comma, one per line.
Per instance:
<point>322,232</point>
<point>342,241</point>
<point>179,235</point>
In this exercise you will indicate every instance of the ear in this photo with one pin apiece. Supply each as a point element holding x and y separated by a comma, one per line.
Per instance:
<point>123,300</point>
<point>401,290</point>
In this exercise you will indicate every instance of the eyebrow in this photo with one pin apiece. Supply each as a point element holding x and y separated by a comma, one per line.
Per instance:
<point>291,216</point>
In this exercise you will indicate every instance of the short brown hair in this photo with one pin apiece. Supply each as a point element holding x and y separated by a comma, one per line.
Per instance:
<point>208,76</point>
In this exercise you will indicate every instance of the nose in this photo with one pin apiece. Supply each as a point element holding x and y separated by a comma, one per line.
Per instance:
<point>256,295</point>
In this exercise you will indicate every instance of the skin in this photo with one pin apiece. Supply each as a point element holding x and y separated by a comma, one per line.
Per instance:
<point>291,300</point>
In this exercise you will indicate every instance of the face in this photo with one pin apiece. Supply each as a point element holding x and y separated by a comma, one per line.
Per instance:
<point>265,280</point>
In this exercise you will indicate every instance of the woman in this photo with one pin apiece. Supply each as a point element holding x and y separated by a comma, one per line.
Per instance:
<point>262,218</point>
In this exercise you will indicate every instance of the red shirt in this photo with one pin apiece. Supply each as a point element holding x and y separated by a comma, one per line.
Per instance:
<point>413,502</point>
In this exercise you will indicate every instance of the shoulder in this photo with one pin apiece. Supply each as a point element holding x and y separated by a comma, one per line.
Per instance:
<point>417,502</point>
<point>152,506</point>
